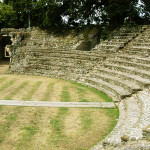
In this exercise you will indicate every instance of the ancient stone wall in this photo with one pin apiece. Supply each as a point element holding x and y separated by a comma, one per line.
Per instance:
<point>120,67</point>
<point>50,45</point>
<point>1,49</point>
<point>51,55</point>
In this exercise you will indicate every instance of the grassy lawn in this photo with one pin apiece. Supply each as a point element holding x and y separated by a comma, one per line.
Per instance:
<point>19,87</point>
<point>42,128</point>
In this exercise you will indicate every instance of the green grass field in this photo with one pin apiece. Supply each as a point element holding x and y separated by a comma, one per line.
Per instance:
<point>42,128</point>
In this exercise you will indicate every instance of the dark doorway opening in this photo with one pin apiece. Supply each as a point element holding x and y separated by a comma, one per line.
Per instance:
<point>4,40</point>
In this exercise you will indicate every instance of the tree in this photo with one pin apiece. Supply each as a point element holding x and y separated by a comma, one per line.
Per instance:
<point>49,14</point>
<point>117,10</point>
<point>23,10</point>
<point>146,10</point>
<point>6,13</point>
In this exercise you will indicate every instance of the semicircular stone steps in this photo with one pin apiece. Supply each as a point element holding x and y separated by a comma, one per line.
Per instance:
<point>134,116</point>
<point>131,70</point>
<point>119,39</point>
<point>120,67</point>
<point>140,46</point>
<point>42,53</point>
<point>115,80</point>
<point>114,91</point>
<point>125,77</point>
<point>122,113</point>
<point>136,65</point>
<point>138,52</point>
<point>134,58</point>
<point>144,121</point>
<point>130,113</point>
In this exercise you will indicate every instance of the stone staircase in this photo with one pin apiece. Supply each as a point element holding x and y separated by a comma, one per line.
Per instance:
<point>130,72</point>
<point>141,45</point>
<point>120,67</point>
<point>119,38</point>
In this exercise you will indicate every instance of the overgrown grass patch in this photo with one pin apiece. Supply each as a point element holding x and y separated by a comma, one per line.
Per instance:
<point>32,91</point>
<point>29,130</point>
<point>7,84</point>
<point>57,123</point>
<point>49,91</point>
<point>2,79</point>
<point>99,93</point>
<point>4,128</point>
<point>65,95</point>
<point>1,107</point>
<point>86,120</point>
<point>16,90</point>
<point>83,100</point>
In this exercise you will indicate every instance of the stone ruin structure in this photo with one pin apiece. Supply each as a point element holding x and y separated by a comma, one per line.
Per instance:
<point>16,36</point>
<point>118,66</point>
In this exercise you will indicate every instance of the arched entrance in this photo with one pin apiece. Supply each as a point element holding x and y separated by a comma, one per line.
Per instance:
<point>4,40</point>
<point>4,56</point>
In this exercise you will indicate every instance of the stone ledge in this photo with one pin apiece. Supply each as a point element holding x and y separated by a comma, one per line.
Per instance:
<point>58,104</point>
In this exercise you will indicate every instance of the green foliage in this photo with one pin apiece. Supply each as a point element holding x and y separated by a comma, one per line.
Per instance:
<point>6,12</point>
<point>49,14</point>
<point>146,11</point>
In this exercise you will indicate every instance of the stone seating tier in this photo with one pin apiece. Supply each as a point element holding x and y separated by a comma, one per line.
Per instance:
<point>138,52</point>
<point>119,67</point>
<point>132,58</point>
<point>129,86</point>
<point>129,129</point>
<point>124,76</point>
<point>50,52</point>
<point>129,70</point>
<point>132,110</point>
<point>114,91</point>
<point>137,65</point>
<point>119,39</point>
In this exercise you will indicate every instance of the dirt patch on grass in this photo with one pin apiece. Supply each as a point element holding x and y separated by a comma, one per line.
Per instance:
<point>44,129</point>
<point>72,122</point>
<point>24,116</point>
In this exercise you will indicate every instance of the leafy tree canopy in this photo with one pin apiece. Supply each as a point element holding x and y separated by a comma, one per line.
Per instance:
<point>6,13</point>
<point>54,14</point>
